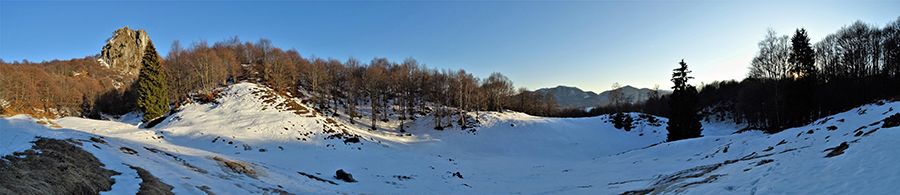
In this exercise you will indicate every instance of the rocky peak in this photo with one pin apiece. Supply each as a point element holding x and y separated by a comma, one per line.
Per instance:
<point>124,50</point>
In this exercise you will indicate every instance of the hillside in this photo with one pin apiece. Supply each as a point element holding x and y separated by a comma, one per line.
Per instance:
<point>256,141</point>
<point>573,96</point>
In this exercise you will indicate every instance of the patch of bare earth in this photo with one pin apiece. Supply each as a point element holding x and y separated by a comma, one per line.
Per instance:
<point>236,167</point>
<point>54,166</point>
<point>150,184</point>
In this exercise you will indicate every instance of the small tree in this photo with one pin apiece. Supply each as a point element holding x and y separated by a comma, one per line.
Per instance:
<point>684,122</point>
<point>152,95</point>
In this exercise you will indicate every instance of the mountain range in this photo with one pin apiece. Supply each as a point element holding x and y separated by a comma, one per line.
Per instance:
<point>573,96</point>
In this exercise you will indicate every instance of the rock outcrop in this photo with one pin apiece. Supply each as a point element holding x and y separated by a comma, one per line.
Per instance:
<point>124,50</point>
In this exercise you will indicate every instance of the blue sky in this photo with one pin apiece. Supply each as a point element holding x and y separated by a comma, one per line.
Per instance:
<point>588,44</point>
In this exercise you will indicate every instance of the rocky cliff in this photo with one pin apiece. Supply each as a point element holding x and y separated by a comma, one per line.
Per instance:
<point>124,50</point>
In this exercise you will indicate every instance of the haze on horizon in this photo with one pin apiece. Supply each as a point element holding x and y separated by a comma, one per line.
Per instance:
<point>589,45</point>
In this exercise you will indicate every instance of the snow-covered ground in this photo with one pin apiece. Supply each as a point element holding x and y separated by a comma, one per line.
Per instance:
<point>508,153</point>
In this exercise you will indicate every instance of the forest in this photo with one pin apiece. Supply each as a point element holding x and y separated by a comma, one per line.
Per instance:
<point>791,82</point>
<point>81,87</point>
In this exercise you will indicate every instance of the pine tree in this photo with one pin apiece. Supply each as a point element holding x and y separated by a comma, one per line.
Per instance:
<point>684,122</point>
<point>802,56</point>
<point>152,97</point>
<point>802,86</point>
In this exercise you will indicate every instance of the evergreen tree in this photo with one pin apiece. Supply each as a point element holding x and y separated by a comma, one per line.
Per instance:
<point>684,122</point>
<point>802,86</point>
<point>802,58</point>
<point>152,97</point>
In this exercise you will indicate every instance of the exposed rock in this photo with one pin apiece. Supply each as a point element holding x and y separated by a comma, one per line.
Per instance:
<point>124,50</point>
<point>347,177</point>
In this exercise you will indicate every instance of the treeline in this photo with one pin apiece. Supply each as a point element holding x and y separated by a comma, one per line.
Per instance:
<point>76,87</point>
<point>82,87</point>
<point>792,82</point>
<point>333,86</point>
<point>656,104</point>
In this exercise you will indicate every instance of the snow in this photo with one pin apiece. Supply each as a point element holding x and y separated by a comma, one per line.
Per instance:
<point>508,152</point>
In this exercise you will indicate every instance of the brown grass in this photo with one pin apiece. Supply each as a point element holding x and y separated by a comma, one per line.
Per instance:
<point>236,167</point>
<point>60,168</point>
<point>99,140</point>
<point>49,123</point>
<point>127,150</point>
<point>294,107</point>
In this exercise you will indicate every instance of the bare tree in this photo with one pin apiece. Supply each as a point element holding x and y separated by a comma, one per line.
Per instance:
<point>375,85</point>
<point>353,77</point>
<point>206,65</point>
<point>773,59</point>
<point>498,88</point>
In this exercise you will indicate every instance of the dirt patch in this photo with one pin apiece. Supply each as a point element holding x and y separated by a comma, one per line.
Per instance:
<point>870,132</point>
<point>838,150</point>
<point>351,140</point>
<point>404,177</point>
<point>637,192</point>
<point>764,161</point>
<point>54,166</point>
<point>49,123</point>
<point>127,150</point>
<point>99,140</point>
<point>294,107</point>
<point>206,189</point>
<point>236,167</point>
<point>317,178</point>
<point>150,184</point>
<point>274,191</point>
<point>892,121</point>
<point>347,177</point>
<point>156,121</point>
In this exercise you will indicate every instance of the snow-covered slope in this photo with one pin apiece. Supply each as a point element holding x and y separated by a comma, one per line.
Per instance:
<point>287,147</point>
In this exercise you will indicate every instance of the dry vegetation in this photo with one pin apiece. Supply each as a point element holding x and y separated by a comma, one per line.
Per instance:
<point>61,88</point>
<point>235,166</point>
<point>151,185</point>
<point>54,166</point>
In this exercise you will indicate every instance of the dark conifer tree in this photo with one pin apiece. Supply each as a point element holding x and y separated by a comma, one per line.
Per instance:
<point>802,86</point>
<point>152,97</point>
<point>803,58</point>
<point>684,122</point>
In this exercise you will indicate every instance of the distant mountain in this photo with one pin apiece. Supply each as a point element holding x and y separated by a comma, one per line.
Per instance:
<point>573,96</point>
